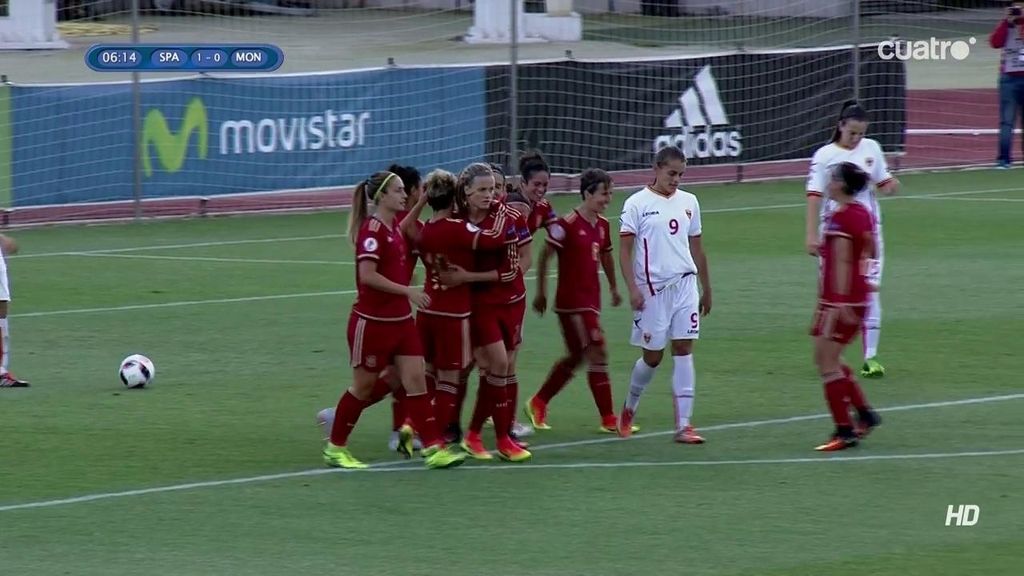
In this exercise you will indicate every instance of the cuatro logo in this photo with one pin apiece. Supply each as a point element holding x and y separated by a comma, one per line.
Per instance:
<point>172,147</point>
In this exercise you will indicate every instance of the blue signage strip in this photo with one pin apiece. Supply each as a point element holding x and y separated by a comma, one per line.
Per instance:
<point>209,136</point>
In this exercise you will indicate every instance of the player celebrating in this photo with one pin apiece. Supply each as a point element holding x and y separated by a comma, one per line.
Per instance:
<point>848,144</point>
<point>8,247</point>
<point>388,382</point>
<point>847,252</point>
<point>528,199</point>
<point>499,304</point>
<point>662,256</point>
<point>444,323</point>
<point>381,331</point>
<point>582,239</point>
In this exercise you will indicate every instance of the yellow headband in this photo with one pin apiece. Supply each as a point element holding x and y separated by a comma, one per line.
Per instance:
<point>376,195</point>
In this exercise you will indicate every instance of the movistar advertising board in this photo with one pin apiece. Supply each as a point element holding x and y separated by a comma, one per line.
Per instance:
<point>212,136</point>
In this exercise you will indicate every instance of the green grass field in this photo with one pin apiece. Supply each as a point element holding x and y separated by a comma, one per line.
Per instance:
<point>245,319</point>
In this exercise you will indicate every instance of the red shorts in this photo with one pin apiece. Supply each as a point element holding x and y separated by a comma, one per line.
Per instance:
<point>828,324</point>
<point>446,343</point>
<point>499,323</point>
<point>581,330</point>
<point>373,344</point>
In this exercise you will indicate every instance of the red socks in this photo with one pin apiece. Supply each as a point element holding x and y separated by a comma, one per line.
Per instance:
<point>560,375</point>
<point>421,412</point>
<point>345,418</point>
<point>503,407</point>
<point>601,389</point>
<point>835,396</point>
<point>482,408</point>
<point>447,403</point>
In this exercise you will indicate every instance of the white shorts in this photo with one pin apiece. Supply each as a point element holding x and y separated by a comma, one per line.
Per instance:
<point>671,314</point>
<point>5,289</point>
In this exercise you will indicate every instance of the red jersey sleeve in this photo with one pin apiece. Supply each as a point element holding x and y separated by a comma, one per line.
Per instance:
<point>369,241</point>
<point>557,231</point>
<point>606,234</point>
<point>523,234</point>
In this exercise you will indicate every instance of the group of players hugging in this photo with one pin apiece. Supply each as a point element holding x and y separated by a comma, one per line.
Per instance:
<point>476,251</point>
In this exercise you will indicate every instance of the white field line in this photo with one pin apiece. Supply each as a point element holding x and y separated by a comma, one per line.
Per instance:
<point>973,199</point>
<point>398,465</point>
<point>334,236</point>
<point>178,246</point>
<point>181,303</point>
<point>215,259</point>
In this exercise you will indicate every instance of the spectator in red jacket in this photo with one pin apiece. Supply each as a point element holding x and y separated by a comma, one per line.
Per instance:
<point>1009,38</point>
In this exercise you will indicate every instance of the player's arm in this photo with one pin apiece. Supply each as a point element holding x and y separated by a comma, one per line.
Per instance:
<point>525,240</point>
<point>700,258</point>
<point>842,264</point>
<point>540,301</point>
<point>8,245</point>
<point>409,225</point>
<point>885,183</point>
<point>628,227</point>
<point>817,181</point>
<point>608,264</point>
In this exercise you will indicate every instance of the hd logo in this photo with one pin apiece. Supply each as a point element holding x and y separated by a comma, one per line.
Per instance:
<point>698,137</point>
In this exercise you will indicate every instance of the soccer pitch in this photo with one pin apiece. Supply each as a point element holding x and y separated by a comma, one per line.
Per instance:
<point>216,469</point>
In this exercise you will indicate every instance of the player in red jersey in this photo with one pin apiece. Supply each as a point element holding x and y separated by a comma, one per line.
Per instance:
<point>499,305</point>
<point>847,252</point>
<point>388,382</point>
<point>582,240</point>
<point>381,331</point>
<point>529,200</point>
<point>444,324</point>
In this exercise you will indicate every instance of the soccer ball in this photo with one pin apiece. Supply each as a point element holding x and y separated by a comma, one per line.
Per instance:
<point>136,371</point>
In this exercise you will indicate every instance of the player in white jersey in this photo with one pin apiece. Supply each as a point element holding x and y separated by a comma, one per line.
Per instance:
<point>848,144</point>
<point>662,258</point>
<point>8,247</point>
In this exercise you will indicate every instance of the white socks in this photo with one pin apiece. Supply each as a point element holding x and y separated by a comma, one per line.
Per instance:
<point>683,379</point>
<point>5,346</point>
<point>638,381</point>
<point>872,326</point>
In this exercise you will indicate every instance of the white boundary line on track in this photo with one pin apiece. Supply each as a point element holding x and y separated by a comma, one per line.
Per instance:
<point>972,199</point>
<point>335,236</point>
<point>398,465</point>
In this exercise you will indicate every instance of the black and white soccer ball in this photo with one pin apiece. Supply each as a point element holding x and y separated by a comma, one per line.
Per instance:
<point>136,371</point>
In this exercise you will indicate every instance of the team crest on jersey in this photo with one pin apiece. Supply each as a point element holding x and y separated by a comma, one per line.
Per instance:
<point>869,161</point>
<point>370,244</point>
<point>556,231</point>
<point>689,213</point>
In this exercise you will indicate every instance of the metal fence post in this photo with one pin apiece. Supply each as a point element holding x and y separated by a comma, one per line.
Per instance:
<point>136,121</point>
<point>855,33</point>
<point>513,96</point>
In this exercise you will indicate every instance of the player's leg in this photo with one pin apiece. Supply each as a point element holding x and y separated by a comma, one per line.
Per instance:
<point>872,331</point>
<point>412,372</point>
<point>650,334</point>
<point>684,331</point>
<point>367,344</point>
<point>832,334</point>
<point>598,379</point>
<point>382,387</point>
<point>575,337</point>
<point>7,380</point>
<point>453,353</point>
<point>511,322</point>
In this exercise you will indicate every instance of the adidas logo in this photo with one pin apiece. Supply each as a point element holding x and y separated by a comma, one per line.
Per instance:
<point>700,111</point>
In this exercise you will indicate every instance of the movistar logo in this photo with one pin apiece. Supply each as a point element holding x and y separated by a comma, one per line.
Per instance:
<point>172,148</point>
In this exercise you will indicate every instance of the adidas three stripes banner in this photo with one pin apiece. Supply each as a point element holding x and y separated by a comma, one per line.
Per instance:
<point>737,107</point>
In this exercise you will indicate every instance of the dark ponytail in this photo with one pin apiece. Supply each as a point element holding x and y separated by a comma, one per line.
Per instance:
<point>531,163</point>
<point>851,110</point>
<point>853,178</point>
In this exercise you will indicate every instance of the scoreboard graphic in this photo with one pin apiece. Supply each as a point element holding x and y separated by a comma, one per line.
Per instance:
<point>190,58</point>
